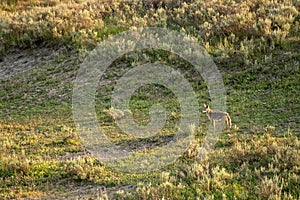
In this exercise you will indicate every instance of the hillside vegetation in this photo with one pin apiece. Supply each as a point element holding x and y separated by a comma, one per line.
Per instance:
<point>255,45</point>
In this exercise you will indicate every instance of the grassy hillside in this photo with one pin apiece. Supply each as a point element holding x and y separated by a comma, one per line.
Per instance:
<point>255,45</point>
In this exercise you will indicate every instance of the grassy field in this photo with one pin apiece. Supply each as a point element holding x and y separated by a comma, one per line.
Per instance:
<point>256,47</point>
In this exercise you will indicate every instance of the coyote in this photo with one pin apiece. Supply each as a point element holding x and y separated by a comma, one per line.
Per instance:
<point>217,116</point>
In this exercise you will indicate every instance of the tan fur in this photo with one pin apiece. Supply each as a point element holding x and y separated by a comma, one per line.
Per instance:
<point>217,116</point>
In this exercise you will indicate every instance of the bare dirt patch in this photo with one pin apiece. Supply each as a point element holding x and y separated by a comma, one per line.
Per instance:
<point>20,60</point>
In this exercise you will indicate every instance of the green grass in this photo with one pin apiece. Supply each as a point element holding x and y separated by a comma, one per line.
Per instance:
<point>41,154</point>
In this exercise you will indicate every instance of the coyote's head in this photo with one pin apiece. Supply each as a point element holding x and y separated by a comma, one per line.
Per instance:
<point>206,108</point>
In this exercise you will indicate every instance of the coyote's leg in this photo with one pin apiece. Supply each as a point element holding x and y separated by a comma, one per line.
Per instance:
<point>228,121</point>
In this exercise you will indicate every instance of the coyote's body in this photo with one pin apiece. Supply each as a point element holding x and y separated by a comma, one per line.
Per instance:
<point>217,116</point>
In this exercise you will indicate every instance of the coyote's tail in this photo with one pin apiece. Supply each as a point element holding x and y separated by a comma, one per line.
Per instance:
<point>228,120</point>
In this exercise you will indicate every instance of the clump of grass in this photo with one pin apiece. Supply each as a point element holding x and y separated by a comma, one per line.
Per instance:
<point>270,188</point>
<point>223,27</point>
<point>85,168</point>
<point>117,114</point>
<point>231,173</point>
